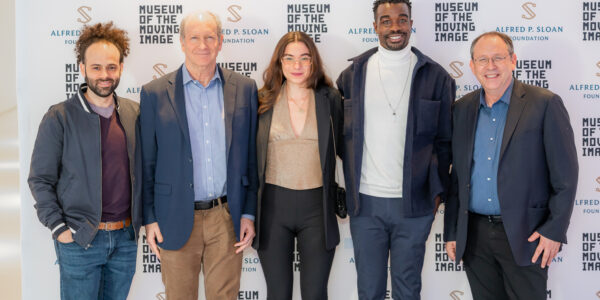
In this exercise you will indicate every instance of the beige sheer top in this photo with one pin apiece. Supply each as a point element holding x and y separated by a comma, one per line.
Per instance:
<point>293,161</point>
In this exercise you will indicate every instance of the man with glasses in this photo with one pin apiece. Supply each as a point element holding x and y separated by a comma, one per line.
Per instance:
<point>397,131</point>
<point>514,178</point>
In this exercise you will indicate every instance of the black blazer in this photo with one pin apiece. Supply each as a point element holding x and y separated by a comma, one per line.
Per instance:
<point>327,105</point>
<point>537,172</point>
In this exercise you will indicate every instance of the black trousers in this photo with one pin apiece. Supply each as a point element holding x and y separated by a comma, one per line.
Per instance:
<point>287,214</point>
<point>491,269</point>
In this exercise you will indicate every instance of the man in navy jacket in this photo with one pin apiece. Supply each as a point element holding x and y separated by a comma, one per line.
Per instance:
<point>198,128</point>
<point>397,130</point>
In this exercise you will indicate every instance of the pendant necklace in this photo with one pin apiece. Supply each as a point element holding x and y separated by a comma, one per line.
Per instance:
<point>387,99</point>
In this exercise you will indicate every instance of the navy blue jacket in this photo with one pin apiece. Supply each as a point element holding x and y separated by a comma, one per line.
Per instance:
<point>167,189</point>
<point>428,132</point>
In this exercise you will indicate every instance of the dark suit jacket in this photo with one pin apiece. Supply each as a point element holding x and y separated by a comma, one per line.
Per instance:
<point>537,171</point>
<point>428,133</point>
<point>327,105</point>
<point>168,193</point>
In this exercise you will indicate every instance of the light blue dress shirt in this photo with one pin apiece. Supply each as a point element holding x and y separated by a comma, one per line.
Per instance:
<point>204,108</point>
<point>486,154</point>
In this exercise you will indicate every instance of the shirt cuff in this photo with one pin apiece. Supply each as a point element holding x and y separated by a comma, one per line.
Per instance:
<point>58,229</point>
<point>249,217</point>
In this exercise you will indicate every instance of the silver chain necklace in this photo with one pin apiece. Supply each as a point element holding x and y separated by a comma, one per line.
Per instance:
<point>387,99</point>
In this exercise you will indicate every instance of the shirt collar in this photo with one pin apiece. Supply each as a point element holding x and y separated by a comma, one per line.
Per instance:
<point>505,97</point>
<point>187,77</point>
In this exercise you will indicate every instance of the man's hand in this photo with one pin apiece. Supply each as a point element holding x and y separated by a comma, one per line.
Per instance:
<point>246,235</point>
<point>546,245</point>
<point>65,237</point>
<point>152,236</point>
<point>437,200</point>
<point>451,250</point>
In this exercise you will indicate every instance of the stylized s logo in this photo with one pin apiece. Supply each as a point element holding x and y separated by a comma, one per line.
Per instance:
<point>527,8</point>
<point>455,66</point>
<point>233,10</point>
<point>82,10</point>
<point>455,294</point>
<point>159,68</point>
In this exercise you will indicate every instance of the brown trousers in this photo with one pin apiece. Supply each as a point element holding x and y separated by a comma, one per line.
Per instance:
<point>209,249</point>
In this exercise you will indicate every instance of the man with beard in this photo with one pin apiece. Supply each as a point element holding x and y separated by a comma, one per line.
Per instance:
<point>397,131</point>
<point>85,174</point>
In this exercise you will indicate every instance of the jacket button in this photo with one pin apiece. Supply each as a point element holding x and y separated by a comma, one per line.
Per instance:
<point>190,159</point>
<point>466,212</point>
<point>191,185</point>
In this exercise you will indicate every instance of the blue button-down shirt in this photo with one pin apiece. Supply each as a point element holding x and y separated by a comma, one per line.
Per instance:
<point>486,154</point>
<point>206,123</point>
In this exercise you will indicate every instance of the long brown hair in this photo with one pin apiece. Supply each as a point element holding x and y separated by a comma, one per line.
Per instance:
<point>273,76</point>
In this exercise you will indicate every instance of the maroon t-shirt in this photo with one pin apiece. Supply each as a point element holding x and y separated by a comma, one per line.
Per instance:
<point>116,184</point>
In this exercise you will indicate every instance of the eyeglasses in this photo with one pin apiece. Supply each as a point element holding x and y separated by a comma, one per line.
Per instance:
<point>484,61</point>
<point>290,61</point>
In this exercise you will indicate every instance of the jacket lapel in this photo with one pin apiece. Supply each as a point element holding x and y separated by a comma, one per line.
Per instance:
<point>262,139</point>
<point>358,114</point>
<point>471,127</point>
<point>229,98</point>
<point>515,108</point>
<point>323,128</point>
<point>177,99</point>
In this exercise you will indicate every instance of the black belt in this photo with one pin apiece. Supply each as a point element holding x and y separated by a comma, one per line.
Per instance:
<point>204,205</point>
<point>489,218</point>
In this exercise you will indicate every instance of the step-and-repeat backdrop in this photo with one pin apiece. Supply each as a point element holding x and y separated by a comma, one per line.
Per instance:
<point>557,45</point>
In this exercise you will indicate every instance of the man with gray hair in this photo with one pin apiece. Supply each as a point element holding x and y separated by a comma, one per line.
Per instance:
<point>198,128</point>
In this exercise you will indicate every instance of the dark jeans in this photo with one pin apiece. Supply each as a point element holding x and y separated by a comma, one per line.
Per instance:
<point>102,271</point>
<point>381,232</point>
<point>289,214</point>
<point>491,268</point>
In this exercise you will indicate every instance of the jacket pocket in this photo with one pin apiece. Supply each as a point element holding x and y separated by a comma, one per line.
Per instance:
<point>64,186</point>
<point>427,120</point>
<point>162,189</point>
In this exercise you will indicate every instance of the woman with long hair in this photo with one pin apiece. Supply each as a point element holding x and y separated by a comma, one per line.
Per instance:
<point>298,132</point>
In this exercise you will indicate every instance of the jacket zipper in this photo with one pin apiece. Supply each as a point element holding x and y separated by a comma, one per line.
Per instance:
<point>131,184</point>
<point>100,148</point>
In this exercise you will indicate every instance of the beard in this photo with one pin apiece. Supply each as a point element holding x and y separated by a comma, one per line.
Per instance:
<point>396,46</point>
<point>102,91</point>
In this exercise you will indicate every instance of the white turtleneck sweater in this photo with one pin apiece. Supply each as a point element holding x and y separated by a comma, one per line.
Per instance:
<point>385,133</point>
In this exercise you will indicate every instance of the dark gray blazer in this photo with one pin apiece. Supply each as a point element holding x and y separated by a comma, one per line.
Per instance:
<point>537,172</point>
<point>327,104</point>
<point>65,177</point>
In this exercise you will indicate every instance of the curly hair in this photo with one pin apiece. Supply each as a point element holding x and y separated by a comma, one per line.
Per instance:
<point>102,32</point>
<point>273,76</point>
